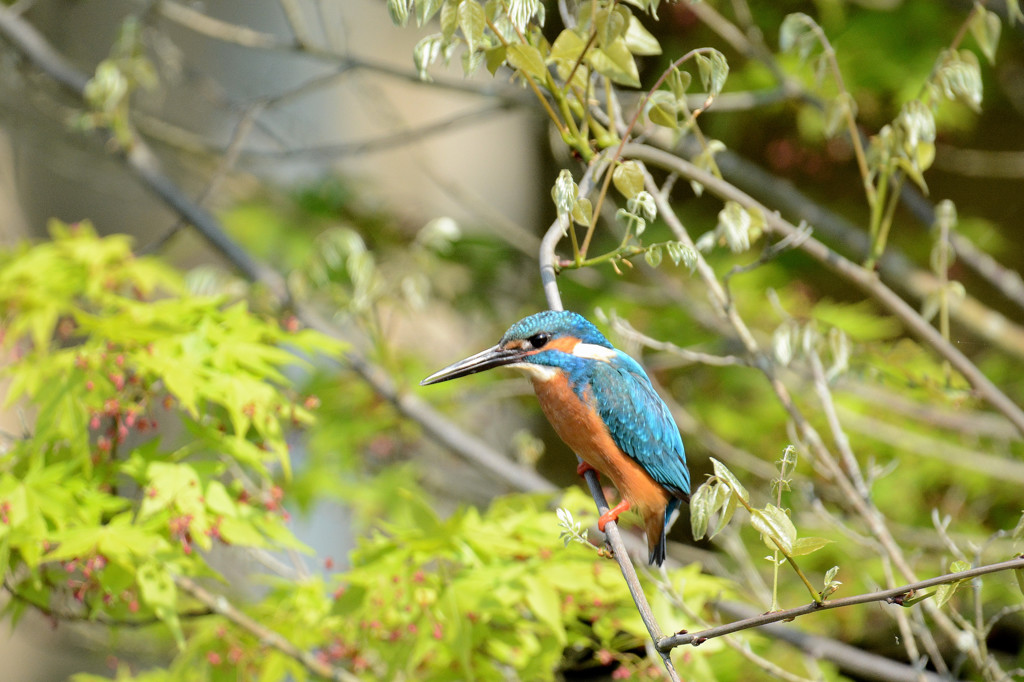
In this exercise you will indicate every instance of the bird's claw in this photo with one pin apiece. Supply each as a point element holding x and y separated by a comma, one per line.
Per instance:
<point>612,514</point>
<point>583,468</point>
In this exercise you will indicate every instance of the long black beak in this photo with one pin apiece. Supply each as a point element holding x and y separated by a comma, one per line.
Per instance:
<point>485,359</point>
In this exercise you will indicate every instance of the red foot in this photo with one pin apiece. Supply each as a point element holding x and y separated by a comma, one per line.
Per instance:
<point>612,514</point>
<point>583,468</point>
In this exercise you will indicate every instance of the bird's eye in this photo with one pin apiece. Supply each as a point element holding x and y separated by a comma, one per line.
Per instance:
<point>538,340</point>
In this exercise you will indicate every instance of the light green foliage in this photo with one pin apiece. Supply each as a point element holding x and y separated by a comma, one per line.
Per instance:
<point>606,41</point>
<point>97,514</point>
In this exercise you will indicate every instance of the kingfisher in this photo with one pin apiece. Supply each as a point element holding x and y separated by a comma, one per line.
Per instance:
<point>602,404</point>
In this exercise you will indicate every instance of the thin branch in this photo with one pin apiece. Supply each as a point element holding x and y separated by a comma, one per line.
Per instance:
<point>896,595</point>
<point>219,604</point>
<point>851,660</point>
<point>864,279</point>
<point>893,266</point>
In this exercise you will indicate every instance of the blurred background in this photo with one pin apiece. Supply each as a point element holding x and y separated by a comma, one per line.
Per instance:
<point>410,213</point>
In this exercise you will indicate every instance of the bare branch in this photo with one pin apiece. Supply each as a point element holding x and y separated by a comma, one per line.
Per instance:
<point>896,595</point>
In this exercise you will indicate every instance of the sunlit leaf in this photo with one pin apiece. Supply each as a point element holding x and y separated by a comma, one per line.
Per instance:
<point>809,545</point>
<point>985,27</point>
<point>661,109</point>
<point>527,59</point>
<point>727,477</point>
<point>472,22</point>
<point>628,178</point>
<point>616,62</point>
<point>640,41</point>
<point>774,525</point>
<point>714,70</point>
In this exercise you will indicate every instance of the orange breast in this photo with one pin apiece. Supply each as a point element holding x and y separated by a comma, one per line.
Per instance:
<point>579,425</point>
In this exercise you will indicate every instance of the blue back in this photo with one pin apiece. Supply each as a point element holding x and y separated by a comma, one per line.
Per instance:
<point>639,421</point>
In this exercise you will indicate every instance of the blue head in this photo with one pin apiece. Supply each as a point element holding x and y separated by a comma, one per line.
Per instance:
<point>549,339</point>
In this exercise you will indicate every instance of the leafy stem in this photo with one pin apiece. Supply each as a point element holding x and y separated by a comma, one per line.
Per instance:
<point>641,106</point>
<point>815,595</point>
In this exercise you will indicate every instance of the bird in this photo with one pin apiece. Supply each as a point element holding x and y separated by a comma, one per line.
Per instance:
<point>601,403</point>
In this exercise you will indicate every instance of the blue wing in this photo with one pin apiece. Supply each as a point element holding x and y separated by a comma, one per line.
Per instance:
<point>640,422</point>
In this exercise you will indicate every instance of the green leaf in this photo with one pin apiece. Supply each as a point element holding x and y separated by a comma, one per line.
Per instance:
<point>838,111</point>
<point>640,41</point>
<point>830,574</point>
<point>628,179</point>
<point>219,501</point>
<point>425,53</point>
<point>700,511</point>
<point>808,545</point>
<point>797,33</point>
<point>398,10</point>
<point>240,532</point>
<point>495,57</point>
<point>426,9</point>
<point>727,512</point>
<point>723,474</point>
<point>1013,11</point>
<point>985,27</point>
<point>612,24</point>
<point>583,211</point>
<point>678,83</point>
<point>472,22</point>
<point>714,69</point>
<point>662,111</point>
<point>944,593</point>
<point>450,18</point>
<point>566,51</point>
<point>527,59</point>
<point>543,602</point>
<point>774,523</point>
<point>615,62</point>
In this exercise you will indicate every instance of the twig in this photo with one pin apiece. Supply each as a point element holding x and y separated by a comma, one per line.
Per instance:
<point>267,637</point>
<point>895,595</point>
<point>864,279</point>
<point>893,266</point>
<point>856,662</point>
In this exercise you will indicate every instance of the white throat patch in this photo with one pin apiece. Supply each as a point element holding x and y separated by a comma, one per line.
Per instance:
<point>592,351</point>
<point>536,372</point>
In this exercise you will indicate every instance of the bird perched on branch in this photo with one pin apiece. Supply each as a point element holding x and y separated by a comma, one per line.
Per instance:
<point>601,403</point>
